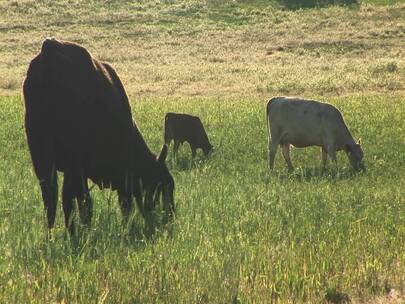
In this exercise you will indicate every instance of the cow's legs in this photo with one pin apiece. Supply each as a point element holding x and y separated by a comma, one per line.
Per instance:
<point>84,201</point>
<point>125,204</point>
<point>167,138</point>
<point>49,189</point>
<point>331,151</point>
<point>138,196</point>
<point>125,196</point>
<point>68,194</point>
<point>43,158</point>
<point>286,154</point>
<point>272,151</point>
<point>157,196</point>
<point>324,157</point>
<point>193,151</point>
<point>176,147</point>
<point>168,141</point>
<point>148,201</point>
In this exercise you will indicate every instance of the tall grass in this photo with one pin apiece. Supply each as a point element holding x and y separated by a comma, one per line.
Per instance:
<point>241,233</point>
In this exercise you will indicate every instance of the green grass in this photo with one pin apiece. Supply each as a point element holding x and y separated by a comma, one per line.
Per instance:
<point>241,233</point>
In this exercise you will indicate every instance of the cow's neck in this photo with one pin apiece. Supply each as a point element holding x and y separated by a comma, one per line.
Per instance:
<point>144,160</point>
<point>346,137</point>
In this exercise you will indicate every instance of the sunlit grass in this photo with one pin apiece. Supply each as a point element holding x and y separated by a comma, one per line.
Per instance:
<point>208,48</point>
<point>241,233</point>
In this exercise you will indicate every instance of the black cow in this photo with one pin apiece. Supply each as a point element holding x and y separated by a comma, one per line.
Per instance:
<point>78,121</point>
<point>183,127</point>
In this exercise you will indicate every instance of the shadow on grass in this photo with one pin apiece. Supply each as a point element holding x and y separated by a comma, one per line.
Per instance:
<point>156,224</point>
<point>136,234</point>
<point>308,174</point>
<point>304,4</point>
<point>186,163</point>
<point>334,296</point>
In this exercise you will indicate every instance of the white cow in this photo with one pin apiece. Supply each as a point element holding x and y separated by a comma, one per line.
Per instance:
<point>303,123</point>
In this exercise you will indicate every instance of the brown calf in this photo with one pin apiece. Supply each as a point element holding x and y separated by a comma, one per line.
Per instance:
<point>184,127</point>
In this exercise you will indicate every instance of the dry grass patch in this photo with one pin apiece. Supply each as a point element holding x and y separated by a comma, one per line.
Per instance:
<point>393,297</point>
<point>208,49</point>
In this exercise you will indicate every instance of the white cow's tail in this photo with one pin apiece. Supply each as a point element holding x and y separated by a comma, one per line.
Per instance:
<point>268,120</point>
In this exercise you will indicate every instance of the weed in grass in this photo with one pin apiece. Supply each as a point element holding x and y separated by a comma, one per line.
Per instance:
<point>384,67</point>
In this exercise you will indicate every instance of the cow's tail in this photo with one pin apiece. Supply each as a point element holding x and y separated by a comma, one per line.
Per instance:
<point>166,135</point>
<point>268,120</point>
<point>268,108</point>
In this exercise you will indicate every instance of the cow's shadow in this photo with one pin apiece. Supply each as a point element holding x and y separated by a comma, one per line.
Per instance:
<point>135,234</point>
<point>310,174</point>
<point>187,162</point>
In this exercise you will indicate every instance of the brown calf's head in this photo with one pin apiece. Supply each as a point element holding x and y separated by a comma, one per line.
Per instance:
<point>207,148</point>
<point>355,155</point>
<point>205,144</point>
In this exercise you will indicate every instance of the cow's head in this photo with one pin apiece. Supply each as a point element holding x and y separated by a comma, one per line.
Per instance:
<point>207,148</point>
<point>161,185</point>
<point>68,66</point>
<point>355,155</point>
<point>205,142</point>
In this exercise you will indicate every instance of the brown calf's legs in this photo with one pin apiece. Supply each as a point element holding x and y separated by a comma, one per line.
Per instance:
<point>176,148</point>
<point>193,151</point>
<point>324,158</point>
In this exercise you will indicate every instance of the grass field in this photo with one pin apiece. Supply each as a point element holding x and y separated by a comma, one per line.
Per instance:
<point>241,234</point>
<point>208,48</point>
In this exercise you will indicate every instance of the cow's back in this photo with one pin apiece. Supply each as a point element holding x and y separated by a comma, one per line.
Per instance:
<point>183,127</point>
<point>94,129</point>
<point>302,122</point>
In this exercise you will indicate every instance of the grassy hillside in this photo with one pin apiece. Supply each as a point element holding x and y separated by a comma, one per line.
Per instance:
<point>210,48</point>
<point>242,234</point>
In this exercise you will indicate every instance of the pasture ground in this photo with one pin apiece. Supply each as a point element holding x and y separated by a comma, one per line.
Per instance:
<point>241,234</point>
<point>210,48</point>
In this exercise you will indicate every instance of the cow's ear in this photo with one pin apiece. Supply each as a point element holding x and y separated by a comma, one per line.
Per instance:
<point>359,141</point>
<point>163,154</point>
